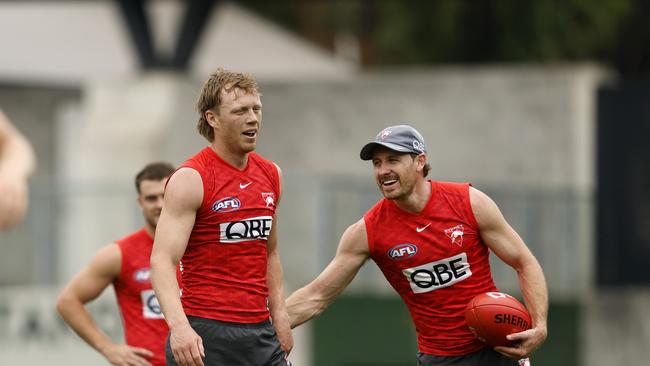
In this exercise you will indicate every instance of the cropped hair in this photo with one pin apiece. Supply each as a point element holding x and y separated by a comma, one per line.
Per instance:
<point>154,171</point>
<point>210,98</point>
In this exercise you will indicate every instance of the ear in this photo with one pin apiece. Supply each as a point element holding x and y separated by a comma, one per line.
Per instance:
<point>212,118</point>
<point>421,161</point>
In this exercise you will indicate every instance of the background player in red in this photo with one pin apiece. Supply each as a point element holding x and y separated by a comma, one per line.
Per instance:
<point>219,216</point>
<point>431,240</point>
<point>125,264</point>
<point>16,165</point>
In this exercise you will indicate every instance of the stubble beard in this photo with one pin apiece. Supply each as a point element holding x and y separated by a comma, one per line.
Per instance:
<point>404,191</point>
<point>153,221</point>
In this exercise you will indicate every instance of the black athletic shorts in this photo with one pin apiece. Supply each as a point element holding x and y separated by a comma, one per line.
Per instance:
<point>235,344</point>
<point>485,357</point>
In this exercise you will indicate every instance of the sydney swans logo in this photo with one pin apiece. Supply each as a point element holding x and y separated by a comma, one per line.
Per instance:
<point>455,234</point>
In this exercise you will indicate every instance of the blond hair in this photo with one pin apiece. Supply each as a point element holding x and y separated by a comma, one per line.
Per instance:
<point>210,98</point>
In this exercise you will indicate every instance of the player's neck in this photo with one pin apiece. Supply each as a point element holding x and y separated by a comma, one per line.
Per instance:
<point>417,200</point>
<point>237,160</point>
<point>150,230</point>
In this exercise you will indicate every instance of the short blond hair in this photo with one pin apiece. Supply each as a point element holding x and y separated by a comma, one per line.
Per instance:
<point>210,98</point>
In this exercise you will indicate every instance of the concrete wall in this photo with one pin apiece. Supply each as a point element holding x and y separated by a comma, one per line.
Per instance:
<point>616,328</point>
<point>472,119</point>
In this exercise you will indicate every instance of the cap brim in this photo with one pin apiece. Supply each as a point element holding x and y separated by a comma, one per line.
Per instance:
<point>369,149</point>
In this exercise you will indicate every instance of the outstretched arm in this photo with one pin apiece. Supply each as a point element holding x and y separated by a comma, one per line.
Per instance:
<point>16,165</point>
<point>183,197</point>
<point>309,301</point>
<point>89,283</point>
<point>502,239</point>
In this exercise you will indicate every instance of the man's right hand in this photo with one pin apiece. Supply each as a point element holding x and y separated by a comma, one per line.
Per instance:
<point>187,346</point>
<point>125,355</point>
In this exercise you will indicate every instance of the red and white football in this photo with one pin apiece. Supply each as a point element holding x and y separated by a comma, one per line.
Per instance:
<point>493,315</point>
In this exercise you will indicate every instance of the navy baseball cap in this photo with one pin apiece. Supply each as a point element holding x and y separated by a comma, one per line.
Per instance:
<point>401,138</point>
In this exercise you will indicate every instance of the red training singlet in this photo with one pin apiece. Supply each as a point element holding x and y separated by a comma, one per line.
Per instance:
<point>142,318</point>
<point>437,263</point>
<point>225,262</point>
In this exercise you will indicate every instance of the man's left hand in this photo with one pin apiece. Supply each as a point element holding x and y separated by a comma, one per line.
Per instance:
<point>525,343</point>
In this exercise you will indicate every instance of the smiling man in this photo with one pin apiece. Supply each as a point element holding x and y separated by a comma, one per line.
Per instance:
<point>431,240</point>
<point>219,221</point>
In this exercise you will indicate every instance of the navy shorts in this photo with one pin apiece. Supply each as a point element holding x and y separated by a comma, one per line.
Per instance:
<point>485,357</point>
<point>235,344</point>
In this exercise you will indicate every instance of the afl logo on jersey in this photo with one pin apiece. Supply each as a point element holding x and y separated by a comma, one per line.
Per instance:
<point>402,251</point>
<point>141,275</point>
<point>226,204</point>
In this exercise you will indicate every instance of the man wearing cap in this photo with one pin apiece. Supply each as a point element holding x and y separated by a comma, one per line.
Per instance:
<point>432,241</point>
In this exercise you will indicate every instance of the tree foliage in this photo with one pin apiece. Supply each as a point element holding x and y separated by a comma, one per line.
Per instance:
<point>392,32</point>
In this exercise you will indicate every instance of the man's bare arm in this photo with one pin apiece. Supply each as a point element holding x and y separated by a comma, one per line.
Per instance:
<point>86,286</point>
<point>16,153</point>
<point>183,197</point>
<point>311,300</point>
<point>17,163</point>
<point>502,239</point>
<point>275,283</point>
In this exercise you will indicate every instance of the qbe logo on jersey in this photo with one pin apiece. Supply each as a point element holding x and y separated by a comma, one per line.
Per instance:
<point>249,229</point>
<point>439,274</point>
<point>150,306</point>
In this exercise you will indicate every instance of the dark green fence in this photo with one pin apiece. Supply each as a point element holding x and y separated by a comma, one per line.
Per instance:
<point>377,331</point>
